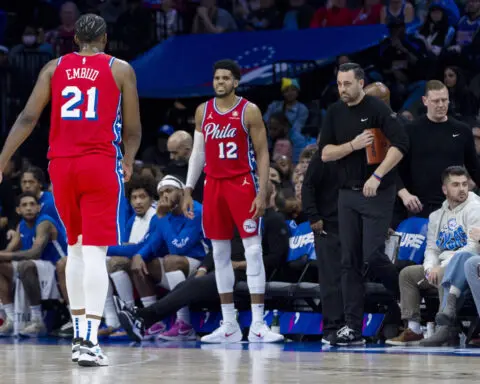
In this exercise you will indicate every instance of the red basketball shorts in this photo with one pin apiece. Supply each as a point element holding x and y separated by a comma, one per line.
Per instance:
<point>88,196</point>
<point>227,202</point>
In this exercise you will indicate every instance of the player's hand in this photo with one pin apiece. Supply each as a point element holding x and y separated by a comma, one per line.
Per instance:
<point>165,205</point>
<point>127,171</point>
<point>258,207</point>
<point>138,266</point>
<point>474,233</point>
<point>362,140</point>
<point>370,187</point>
<point>187,206</point>
<point>412,203</point>
<point>317,227</point>
<point>433,276</point>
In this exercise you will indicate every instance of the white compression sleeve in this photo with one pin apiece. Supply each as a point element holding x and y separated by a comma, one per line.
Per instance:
<point>197,160</point>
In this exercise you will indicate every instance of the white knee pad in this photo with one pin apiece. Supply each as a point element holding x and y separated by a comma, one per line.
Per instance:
<point>222,253</point>
<point>255,267</point>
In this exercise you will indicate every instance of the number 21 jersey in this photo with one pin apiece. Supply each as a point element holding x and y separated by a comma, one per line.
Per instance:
<point>229,150</point>
<point>86,107</point>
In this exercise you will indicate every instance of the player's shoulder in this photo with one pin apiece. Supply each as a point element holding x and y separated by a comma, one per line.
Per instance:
<point>252,109</point>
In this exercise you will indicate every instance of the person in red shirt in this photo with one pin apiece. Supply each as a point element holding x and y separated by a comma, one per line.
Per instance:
<point>335,14</point>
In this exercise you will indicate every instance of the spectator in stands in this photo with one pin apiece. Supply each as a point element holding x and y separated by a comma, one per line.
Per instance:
<point>476,136</point>
<point>447,236</point>
<point>30,43</point>
<point>368,14</point>
<point>299,15</point>
<point>397,11</point>
<point>463,103</point>
<point>202,287</point>
<point>277,128</point>
<point>265,18</point>
<point>274,175</point>
<point>436,31</point>
<point>152,171</point>
<point>468,26</point>
<point>211,19</point>
<point>334,14</point>
<point>158,154</point>
<point>437,141</point>
<point>62,38</point>
<point>38,246</point>
<point>168,21</point>
<point>111,10</point>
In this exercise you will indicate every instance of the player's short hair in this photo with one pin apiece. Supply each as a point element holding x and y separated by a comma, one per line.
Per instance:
<point>26,194</point>
<point>454,170</point>
<point>356,68</point>
<point>90,27</point>
<point>434,85</point>
<point>229,65</point>
<point>141,182</point>
<point>37,173</point>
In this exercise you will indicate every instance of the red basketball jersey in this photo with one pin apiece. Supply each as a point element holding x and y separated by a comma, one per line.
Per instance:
<point>86,113</point>
<point>228,147</point>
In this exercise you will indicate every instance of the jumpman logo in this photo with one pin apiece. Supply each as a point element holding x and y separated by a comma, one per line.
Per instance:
<point>245,182</point>
<point>210,116</point>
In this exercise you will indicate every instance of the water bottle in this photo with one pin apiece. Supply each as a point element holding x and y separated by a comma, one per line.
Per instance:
<point>275,322</point>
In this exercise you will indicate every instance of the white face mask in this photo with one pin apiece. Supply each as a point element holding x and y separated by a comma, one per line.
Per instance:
<point>29,39</point>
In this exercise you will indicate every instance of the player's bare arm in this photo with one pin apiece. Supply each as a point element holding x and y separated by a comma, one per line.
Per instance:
<point>195,163</point>
<point>43,235</point>
<point>132,127</point>
<point>15,242</point>
<point>28,118</point>
<point>258,134</point>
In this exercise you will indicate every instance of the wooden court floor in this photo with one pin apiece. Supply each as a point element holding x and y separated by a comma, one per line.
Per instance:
<point>178,363</point>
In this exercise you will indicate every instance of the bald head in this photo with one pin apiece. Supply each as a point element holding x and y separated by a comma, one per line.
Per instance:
<point>378,90</point>
<point>179,145</point>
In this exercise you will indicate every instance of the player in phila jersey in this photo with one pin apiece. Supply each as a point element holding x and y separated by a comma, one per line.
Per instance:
<point>230,140</point>
<point>92,95</point>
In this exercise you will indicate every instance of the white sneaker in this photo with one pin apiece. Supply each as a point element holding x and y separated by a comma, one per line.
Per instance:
<point>6,329</point>
<point>34,328</point>
<point>91,355</point>
<point>261,333</point>
<point>76,349</point>
<point>226,333</point>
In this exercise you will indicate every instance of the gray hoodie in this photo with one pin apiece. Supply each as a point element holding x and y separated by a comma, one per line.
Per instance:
<point>448,232</point>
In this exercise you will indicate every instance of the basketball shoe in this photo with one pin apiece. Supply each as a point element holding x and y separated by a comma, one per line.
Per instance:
<point>34,328</point>
<point>91,355</point>
<point>226,333</point>
<point>348,336</point>
<point>261,333</point>
<point>76,348</point>
<point>132,324</point>
<point>180,331</point>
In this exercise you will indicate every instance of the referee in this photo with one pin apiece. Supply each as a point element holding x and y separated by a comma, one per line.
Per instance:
<point>367,191</point>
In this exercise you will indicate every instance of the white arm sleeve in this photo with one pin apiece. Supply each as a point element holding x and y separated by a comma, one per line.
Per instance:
<point>197,160</point>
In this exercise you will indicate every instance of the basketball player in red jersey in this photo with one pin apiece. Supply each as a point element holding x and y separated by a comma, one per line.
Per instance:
<point>230,140</point>
<point>92,95</point>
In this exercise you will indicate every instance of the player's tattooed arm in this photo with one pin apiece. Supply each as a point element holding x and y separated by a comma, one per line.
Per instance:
<point>27,120</point>
<point>43,235</point>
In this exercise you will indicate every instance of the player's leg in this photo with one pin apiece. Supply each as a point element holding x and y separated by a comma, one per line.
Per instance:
<point>243,192</point>
<point>6,288</point>
<point>218,227</point>
<point>119,268</point>
<point>62,279</point>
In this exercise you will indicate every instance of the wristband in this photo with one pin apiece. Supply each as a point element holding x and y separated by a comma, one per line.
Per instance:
<point>377,177</point>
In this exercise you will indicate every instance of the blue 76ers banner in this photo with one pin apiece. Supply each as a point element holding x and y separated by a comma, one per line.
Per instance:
<point>182,65</point>
<point>414,239</point>
<point>301,241</point>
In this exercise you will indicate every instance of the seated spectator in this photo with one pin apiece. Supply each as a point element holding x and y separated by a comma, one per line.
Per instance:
<point>335,14</point>
<point>31,43</point>
<point>436,31</point>
<point>277,128</point>
<point>168,21</point>
<point>285,167</point>
<point>62,38</point>
<point>265,18</point>
<point>299,15</point>
<point>467,27</point>
<point>211,19</point>
<point>397,11</point>
<point>463,103</point>
<point>368,14</point>
<point>447,236</point>
<point>202,287</point>
<point>39,246</point>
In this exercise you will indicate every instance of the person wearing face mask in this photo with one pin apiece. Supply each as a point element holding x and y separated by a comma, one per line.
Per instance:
<point>30,43</point>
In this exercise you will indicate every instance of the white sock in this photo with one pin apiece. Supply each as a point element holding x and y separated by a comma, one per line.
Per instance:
<point>36,312</point>
<point>228,313</point>
<point>257,313</point>
<point>8,308</point>
<point>92,330</point>
<point>124,286</point>
<point>148,300</point>
<point>415,326</point>
<point>79,326</point>
<point>74,278</point>
<point>455,291</point>
<point>174,278</point>
<point>111,318</point>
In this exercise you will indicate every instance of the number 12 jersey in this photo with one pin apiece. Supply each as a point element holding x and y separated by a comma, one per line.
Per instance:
<point>86,107</point>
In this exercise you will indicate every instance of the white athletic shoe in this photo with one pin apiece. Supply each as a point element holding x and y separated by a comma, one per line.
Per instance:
<point>261,333</point>
<point>76,349</point>
<point>91,355</point>
<point>34,328</point>
<point>226,333</point>
<point>6,329</point>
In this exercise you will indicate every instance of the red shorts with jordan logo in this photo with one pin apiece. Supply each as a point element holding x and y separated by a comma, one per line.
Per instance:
<point>227,202</point>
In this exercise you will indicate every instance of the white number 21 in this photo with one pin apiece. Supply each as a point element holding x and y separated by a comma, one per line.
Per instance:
<point>231,150</point>
<point>70,110</point>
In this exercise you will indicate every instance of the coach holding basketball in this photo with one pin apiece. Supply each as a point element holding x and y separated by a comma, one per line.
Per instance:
<point>363,135</point>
